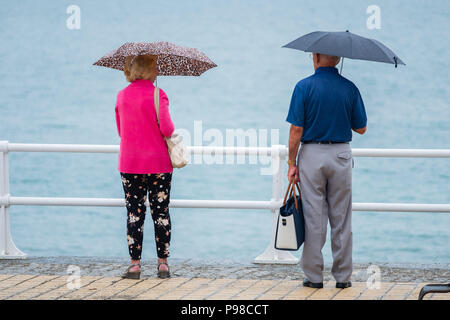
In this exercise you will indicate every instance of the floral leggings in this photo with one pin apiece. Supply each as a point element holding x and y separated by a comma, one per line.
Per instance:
<point>135,187</point>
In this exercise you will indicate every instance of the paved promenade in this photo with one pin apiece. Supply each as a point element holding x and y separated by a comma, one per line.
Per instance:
<point>48,278</point>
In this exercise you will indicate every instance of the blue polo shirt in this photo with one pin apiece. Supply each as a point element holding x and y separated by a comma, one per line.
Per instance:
<point>327,106</point>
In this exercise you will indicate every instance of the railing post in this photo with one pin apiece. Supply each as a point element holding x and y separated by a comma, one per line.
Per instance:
<point>272,255</point>
<point>8,249</point>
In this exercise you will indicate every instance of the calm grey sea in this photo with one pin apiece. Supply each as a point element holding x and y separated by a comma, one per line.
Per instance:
<point>51,93</point>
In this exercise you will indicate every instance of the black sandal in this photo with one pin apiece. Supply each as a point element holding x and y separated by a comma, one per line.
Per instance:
<point>163,274</point>
<point>134,274</point>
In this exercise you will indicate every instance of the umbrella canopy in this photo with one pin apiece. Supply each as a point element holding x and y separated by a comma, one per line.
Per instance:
<point>172,60</point>
<point>345,44</point>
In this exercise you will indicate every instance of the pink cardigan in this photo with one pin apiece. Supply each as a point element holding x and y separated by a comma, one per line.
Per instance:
<point>142,146</point>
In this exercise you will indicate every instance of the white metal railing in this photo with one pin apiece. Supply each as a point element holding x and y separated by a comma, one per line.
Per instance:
<point>278,154</point>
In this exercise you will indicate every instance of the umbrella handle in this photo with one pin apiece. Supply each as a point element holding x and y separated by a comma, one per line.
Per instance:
<point>342,64</point>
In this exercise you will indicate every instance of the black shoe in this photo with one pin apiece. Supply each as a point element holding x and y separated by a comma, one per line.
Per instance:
<point>316,285</point>
<point>343,285</point>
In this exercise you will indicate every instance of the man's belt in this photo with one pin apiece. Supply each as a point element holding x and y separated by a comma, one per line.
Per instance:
<point>323,142</point>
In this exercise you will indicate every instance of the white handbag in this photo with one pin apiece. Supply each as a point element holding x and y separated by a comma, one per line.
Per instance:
<point>290,232</point>
<point>177,150</point>
<point>286,237</point>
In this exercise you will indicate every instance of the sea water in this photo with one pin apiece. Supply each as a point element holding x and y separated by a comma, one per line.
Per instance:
<point>51,93</point>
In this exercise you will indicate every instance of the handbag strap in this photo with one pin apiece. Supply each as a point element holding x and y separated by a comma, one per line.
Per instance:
<point>291,190</point>
<point>298,188</point>
<point>156,102</point>
<point>295,196</point>
<point>290,193</point>
<point>287,191</point>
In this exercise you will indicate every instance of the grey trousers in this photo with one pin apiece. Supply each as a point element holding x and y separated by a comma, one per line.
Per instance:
<point>325,172</point>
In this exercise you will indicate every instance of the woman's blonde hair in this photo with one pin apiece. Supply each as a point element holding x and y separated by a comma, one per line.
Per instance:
<point>139,67</point>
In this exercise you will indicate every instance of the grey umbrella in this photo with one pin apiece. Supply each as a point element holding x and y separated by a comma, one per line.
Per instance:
<point>345,44</point>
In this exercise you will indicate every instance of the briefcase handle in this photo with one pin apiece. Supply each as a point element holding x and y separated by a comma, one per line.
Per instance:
<point>291,190</point>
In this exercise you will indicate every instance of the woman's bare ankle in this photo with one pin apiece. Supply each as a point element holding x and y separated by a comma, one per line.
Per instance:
<point>135,268</point>
<point>161,262</point>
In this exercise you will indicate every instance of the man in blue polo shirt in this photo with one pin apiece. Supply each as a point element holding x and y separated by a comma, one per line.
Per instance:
<point>324,110</point>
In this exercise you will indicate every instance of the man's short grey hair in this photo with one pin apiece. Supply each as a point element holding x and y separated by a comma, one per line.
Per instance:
<point>330,58</point>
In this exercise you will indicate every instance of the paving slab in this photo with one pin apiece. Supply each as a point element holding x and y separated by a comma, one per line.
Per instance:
<point>50,278</point>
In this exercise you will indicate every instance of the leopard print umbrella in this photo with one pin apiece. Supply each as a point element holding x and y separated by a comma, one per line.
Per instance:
<point>172,60</point>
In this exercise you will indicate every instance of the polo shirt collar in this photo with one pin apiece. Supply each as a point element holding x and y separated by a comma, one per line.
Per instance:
<point>326,70</point>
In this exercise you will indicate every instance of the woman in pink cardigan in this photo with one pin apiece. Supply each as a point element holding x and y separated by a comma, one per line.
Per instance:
<point>144,162</point>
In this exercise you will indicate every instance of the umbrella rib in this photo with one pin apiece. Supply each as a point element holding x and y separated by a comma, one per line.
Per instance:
<point>180,56</point>
<point>317,40</point>
<point>177,55</point>
<point>171,56</point>
<point>388,54</point>
<point>382,51</point>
